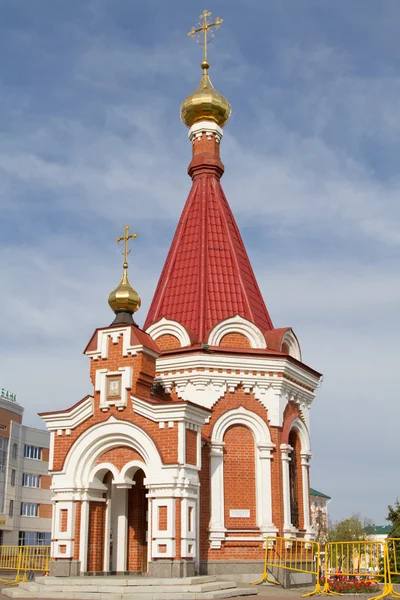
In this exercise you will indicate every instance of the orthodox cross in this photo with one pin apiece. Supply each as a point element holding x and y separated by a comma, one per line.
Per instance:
<point>203,28</point>
<point>126,239</point>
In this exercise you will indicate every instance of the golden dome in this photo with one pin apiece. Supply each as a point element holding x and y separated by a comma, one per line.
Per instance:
<point>124,297</point>
<point>205,104</point>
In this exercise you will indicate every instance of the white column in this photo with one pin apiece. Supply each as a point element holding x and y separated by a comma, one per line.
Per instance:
<point>287,519</point>
<point>264,489</point>
<point>120,526</point>
<point>217,526</point>
<point>305,462</point>
<point>84,530</point>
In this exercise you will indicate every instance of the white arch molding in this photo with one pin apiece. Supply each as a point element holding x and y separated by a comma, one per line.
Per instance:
<point>289,338</point>
<point>263,455</point>
<point>237,324</point>
<point>167,327</point>
<point>80,463</point>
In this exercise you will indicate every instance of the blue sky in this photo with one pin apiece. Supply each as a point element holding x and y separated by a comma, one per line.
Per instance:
<point>91,139</point>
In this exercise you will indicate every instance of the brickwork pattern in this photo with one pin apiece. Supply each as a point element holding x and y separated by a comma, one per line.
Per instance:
<point>97,512</point>
<point>168,342</point>
<point>64,520</point>
<point>203,144</point>
<point>119,456</point>
<point>191,447</point>
<point>162,518</point>
<point>137,524</point>
<point>77,529</point>
<point>235,340</point>
<point>239,476</point>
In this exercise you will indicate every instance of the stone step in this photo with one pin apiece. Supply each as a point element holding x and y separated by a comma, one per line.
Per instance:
<point>215,595</point>
<point>134,588</point>
<point>127,590</point>
<point>125,581</point>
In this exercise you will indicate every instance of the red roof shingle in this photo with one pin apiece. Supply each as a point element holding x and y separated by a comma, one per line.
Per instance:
<point>207,276</point>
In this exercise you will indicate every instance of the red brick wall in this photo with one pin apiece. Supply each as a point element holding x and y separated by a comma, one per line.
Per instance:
<point>203,144</point>
<point>64,520</point>
<point>137,524</point>
<point>191,447</point>
<point>97,512</point>
<point>235,340</point>
<point>239,476</point>
<point>77,529</point>
<point>119,456</point>
<point>162,518</point>
<point>168,342</point>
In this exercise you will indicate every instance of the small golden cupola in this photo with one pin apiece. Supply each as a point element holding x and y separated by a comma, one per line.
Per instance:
<point>205,104</point>
<point>124,300</point>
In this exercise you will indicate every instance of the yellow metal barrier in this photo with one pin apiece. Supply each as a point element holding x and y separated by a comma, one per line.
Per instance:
<point>289,554</point>
<point>23,559</point>
<point>392,560</point>
<point>354,563</point>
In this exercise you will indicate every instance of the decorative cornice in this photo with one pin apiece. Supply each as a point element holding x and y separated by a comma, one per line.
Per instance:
<point>69,419</point>
<point>170,412</point>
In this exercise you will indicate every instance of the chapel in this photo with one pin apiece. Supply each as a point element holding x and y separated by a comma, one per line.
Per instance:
<point>194,446</point>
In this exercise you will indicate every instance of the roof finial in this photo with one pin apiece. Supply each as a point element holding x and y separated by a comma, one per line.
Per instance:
<point>124,300</point>
<point>126,239</point>
<point>201,32</point>
<point>205,104</point>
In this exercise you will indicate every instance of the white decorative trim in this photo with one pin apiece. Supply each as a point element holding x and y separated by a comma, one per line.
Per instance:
<point>69,419</point>
<point>101,386</point>
<point>204,379</point>
<point>237,324</point>
<point>263,455</point>
<point>80,463</point>
<point>292,342</point>
<point>208,127</point>
<point>159,536</point>
<point>168,327</point>
<point>114,333</point>
<point>304,436</point>
<point>170,412</point>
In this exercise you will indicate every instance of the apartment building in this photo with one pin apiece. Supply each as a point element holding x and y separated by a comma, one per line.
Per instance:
<point>25,495</point>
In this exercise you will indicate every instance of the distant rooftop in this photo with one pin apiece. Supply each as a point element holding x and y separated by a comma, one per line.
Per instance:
<point>319,494</point>
<point>378,529</point>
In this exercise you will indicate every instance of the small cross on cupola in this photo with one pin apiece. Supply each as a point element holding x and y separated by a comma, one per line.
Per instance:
<point>124,300</point>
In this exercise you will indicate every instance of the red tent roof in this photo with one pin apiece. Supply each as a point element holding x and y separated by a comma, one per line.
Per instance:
<point>207,276</point>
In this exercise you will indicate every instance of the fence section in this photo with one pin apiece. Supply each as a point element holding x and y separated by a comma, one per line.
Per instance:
<point>289,554</point>
<point>360,565</point>
<point>23,559</point>
<point>392,559</point>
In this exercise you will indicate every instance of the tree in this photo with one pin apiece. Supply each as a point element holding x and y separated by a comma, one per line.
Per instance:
<point>349,530</point>
<point>394,546</point>
<point>394,518</point>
